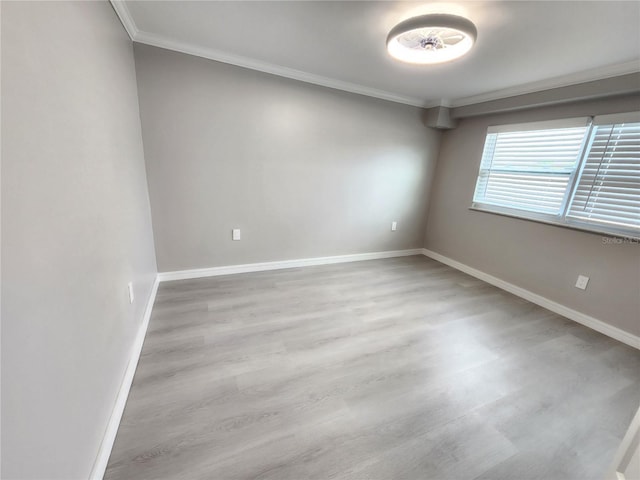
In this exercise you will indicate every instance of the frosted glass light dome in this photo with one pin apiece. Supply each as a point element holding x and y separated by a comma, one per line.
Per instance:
<point>434,38</point>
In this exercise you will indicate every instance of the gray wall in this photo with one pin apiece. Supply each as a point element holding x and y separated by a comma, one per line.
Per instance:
<point>541,258</point>
<point>76,228</point>
<point>302,170</point>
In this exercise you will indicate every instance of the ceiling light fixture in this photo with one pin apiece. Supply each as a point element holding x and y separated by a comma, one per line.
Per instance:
<point>433,38</point>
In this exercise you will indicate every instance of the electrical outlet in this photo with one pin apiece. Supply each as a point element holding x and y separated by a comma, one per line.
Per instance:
<point>235,234</point>
<point>130,289</point>
<point>394,226</point>
<point>582,282</point>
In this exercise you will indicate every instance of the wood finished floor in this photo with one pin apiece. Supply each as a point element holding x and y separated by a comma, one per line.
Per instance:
<point>396,369</point>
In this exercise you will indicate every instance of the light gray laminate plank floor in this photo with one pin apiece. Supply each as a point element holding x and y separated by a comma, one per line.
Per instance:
<point>397,369</point>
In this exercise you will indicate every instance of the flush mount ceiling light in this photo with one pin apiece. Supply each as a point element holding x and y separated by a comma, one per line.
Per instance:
<point>433,38</point>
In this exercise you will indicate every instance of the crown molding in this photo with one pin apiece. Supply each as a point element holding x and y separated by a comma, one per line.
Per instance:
<point>548,84</point>
<point>273,69</point>
<point>159,41</point>
<point>155,40</point>
<point>125,18</point>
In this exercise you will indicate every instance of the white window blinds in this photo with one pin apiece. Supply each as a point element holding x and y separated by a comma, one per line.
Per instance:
<point>582,172</point>
<point>608,190</point>
<point>529,169</point>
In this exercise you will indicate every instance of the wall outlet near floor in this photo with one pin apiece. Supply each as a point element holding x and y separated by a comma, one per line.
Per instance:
<point>130,289</point>
<point>235,234</point>
<point>582,282</point>
<point>394,226</point>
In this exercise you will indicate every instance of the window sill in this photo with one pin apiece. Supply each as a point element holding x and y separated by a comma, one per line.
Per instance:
<point>621,237</point>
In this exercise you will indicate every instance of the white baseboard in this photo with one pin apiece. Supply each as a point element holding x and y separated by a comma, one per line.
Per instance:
<point>100,465</point>
<point>301,262</point>
<point>586,320</point>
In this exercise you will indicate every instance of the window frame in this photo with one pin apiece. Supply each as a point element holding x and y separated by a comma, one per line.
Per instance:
<point>561,219</point>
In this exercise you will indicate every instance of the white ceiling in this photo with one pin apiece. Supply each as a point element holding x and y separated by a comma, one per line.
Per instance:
<point>522,46</point>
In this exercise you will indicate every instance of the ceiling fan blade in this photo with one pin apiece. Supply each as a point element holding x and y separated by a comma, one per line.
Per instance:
<point>451,35</point>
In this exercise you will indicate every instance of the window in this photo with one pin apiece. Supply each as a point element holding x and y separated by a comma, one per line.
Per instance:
<point>583,173</point>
